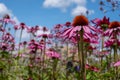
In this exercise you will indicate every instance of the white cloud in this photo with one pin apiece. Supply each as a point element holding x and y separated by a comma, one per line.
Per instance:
<point>57,4</point>
<point>81,10</point>
<point>4,10</point>
<point>64,4</point>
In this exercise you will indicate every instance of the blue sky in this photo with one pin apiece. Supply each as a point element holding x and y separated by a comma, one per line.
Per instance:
<point>50,12</point>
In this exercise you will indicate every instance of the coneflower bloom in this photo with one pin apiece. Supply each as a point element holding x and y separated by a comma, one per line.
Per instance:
<point>51,53</point>
<point>101,22</point>
<point>6,19</point>
<point>7,47</point>
<point>30,30</point>
<point>4,46</point>
<point>67,24</point>
<point>33,29</point>
<point>58,27</point>
<point>117,64</point>
<point>8,38</point>
<point>44,29</point>
<point>101,53</point>
<point>114,29</point>
<point>92,68</point>
<point>22,26</point>
<point>2,29</point>
<point>79,23</point>
<point>16,27</point>
<point>42,42</point>
<point>112,42</point>
<point>37,28</point>
<point>33,46</point>
<point>45,35</point>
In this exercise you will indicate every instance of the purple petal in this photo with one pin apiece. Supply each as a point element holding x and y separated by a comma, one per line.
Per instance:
<point>74,30</point>
<point>86,29</point>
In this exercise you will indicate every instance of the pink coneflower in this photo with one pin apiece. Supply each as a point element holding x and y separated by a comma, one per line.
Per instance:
<point>58,27</point>
<point>37,28</point>
<point>101,22</point>
<point>30,30</point>
<point>7,38</point>
<point>16,27</point>
<point>33,46</point>
<point>44,35</point>
<point>114,29</point>
<point>44,29</point>
<point>6,19</point>
<point>79,23</point>
<point>49,42</point>
<point>42,42</point>
<point>109,42</point>
<point>67,24</point>
<point>4,46</point>
<point>22,25</point>
<point>2,29</point>
<point>95,69</point>
<point>33,30</point>
<point>117,64</point>
<point>53,54</point>
<point>92,68</point>
<point>101,53</point>
<point>25,43</point>
<point>91,47</point>
<point>38,59</point>
<point>6,16</point>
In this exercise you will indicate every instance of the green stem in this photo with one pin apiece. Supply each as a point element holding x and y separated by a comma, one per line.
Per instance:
<point>79,56</point>
<point>102,49</point>
<point>67,50</point>
<point>54,69</point>
<point>20,40</point>
<point>83,70</point>
<point>44,51</point>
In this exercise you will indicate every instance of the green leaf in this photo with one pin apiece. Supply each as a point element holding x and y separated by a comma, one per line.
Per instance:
<point>88,77</point>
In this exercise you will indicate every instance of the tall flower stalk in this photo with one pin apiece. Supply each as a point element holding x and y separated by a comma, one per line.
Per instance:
<point>83,72</point>
<point>102,26</point>
<point>22,27</point>
<point>79,31</point>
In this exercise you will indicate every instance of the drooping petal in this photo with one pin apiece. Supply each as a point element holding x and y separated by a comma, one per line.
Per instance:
<point>74,30</point>
<point>86,29</point>
<point>87,35</point>
<point>117,64</point>
<point>67,31</point>
<point>96,21</point>
<point>92,28</point>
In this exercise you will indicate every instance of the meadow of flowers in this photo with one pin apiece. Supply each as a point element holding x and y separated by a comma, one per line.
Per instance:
<point>79,50</point>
